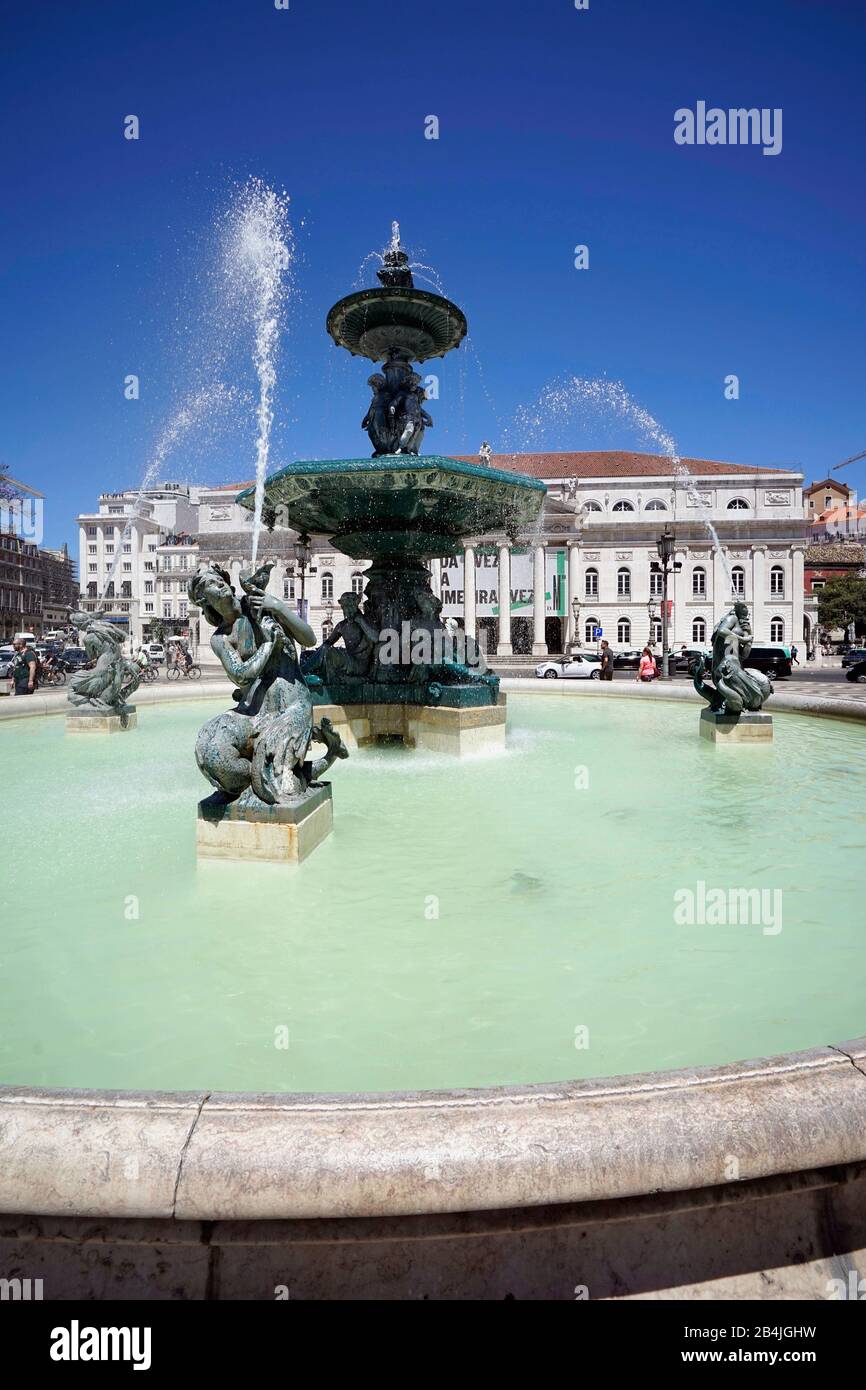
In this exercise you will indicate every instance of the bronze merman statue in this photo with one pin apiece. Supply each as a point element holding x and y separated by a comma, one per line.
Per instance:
<point>355,659</point>
<point>735,687</point>
<point>105,688</point>
<point>257,753</point>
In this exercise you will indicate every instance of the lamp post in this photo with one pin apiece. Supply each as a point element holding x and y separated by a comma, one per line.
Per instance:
<point>651,614</point>
<point>665,548</point>
<point>302,551</point>
<point>575,609</point>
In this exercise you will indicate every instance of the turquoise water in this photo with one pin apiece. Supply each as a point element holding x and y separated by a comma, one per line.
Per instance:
<point>462,925</point>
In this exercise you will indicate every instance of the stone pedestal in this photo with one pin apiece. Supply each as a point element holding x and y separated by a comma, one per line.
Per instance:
<point>427,728</point>
<point>736,728</point>
<point>86,721</point>
<point>274,834</point>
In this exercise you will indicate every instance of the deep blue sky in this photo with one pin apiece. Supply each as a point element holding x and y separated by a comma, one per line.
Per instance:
<point>556,129</point>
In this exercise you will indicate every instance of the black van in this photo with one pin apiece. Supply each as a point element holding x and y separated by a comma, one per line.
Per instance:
<point>774,661</point>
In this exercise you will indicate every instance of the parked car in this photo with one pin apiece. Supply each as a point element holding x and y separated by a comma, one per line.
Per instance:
<point>853,656</point>
<point>627,661</point>
<point>6,657</point>
<point>75,658</point>
<point>683,661</point>
<point>155,652</point>
<point>774,661</point>
<point>580,666</point>
<point>857,672</point>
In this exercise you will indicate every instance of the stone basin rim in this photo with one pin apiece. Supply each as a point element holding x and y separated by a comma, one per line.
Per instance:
<point>261,1156</point>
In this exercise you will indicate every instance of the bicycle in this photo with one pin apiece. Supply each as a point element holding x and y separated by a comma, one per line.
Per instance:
<point>149,674</point>
<point>191,673</point>
<point>50,676</point>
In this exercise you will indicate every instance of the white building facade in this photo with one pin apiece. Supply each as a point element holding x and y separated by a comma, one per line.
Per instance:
<point>587,567</point>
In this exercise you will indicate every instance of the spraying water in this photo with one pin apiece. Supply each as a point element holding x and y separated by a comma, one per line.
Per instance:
<point>201,405</point>
<point>419,270</point>
<point>567,399</point>
<point>258,256</point>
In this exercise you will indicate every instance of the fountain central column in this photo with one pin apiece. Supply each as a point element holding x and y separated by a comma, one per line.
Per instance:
<point>503,646</point>
<point>470,612</point>
<point>539,596</point>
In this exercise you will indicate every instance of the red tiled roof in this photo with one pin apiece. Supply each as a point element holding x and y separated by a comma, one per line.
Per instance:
<point>230,487</point>
<point>615,463</point>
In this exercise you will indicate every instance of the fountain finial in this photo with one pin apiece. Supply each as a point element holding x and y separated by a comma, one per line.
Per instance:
<point>395,272</point>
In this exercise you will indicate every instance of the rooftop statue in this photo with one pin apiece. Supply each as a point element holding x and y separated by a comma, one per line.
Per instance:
<point>735,687</point>
<point>106,688</point>
<point>257,753</point>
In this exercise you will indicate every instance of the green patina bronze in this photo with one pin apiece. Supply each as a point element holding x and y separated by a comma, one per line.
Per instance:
<point>401,505</point>
<point>398,509</point>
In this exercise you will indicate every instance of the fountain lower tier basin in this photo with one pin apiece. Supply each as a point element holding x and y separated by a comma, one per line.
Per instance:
<point>398,505</point>
<point>537,913</point>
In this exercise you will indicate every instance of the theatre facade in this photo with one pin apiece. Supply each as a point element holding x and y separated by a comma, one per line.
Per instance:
<point>588,569</point>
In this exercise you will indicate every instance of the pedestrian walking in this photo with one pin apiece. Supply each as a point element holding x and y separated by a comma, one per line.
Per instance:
<point>606,661</point>
<point>647,670</point>
<point>25,668</point>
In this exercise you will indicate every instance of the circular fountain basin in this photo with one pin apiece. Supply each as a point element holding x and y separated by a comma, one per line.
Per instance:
<point>473,925</point>
<point>534,916</point>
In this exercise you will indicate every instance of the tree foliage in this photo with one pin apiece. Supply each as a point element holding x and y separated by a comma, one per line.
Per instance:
<point>842,601</point>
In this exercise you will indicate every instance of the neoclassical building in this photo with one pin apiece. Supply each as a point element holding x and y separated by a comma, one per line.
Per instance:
<point>587,566</point>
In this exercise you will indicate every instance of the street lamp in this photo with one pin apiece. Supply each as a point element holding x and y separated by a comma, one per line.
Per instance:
<point>302,552</point>
<point>575,609</point>
<point>651,614</point>
<point>665,548</point>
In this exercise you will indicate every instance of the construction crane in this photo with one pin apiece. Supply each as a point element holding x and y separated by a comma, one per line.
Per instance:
<point>845,462</point>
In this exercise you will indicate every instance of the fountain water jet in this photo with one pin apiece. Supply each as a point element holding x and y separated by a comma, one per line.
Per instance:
<point>561,399</point>
<point>185,418</point>
<point>258,256</point>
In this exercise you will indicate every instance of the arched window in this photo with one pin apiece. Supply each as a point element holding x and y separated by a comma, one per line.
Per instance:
<point>327,587</point>
<point>589,629</point>
<point>777,630</point>
<point>358,583</point>
<point>738,580</point>
<point>289,584</point>
<point>623,507</point>
<point>655,506</point>
<point>591,507</point>
<point>623,582</point>
<point>699,582</point>
<point>738,504</point>
<point>591,584</point>
<point>699,632</point>
<point>656,631</point>
<point>777,581</point>
<point>623,632</point>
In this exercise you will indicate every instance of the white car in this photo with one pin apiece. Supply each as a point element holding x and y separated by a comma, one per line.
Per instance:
<point>579,667</point>
<point>155,652</point>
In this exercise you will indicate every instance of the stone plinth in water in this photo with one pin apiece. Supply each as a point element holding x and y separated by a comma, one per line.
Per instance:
<point>721,728</point>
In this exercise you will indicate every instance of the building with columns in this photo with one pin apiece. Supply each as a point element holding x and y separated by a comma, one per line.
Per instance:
<point>589,564</point>
<point>586,566</point>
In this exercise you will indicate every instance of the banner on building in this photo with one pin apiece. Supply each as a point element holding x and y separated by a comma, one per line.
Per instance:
<point>487,595</point>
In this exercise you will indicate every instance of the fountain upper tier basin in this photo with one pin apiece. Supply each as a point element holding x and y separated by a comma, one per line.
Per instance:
<point>403,321</point>
<point>401,505</point>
